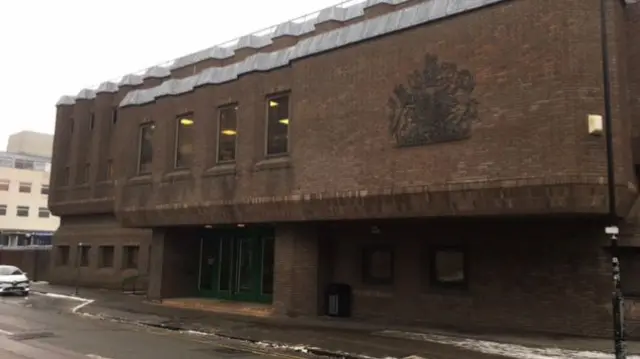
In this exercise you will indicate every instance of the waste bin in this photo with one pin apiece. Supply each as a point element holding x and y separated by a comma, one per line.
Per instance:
<point>338,300</point>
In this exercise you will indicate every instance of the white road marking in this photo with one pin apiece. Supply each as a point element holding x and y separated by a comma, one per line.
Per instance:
<point>80,306</point>
<point>62,296</point>
<point>95,356</point>
<point>4,332</point>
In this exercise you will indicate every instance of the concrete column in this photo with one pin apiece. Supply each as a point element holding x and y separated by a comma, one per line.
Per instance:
<point>156,264</point>
<point>296,270</point>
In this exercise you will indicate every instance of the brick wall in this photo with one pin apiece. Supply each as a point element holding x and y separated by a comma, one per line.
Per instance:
<point>524,275</point>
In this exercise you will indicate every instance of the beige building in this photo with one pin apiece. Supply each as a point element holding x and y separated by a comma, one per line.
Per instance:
<point>24,189</point>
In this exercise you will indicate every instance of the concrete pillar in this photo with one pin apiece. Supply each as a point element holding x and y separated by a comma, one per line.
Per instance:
<point>156,264</point>
<point>296,268</point>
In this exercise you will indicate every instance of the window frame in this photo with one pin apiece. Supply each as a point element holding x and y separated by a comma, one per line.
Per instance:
<point>85,256</point>
<point>101,253</point>
<point>61,260</point>
<point>22,162</point>
<point>45,188</point>
<point>434,282</point>
<point>126,257</point>
<point>25,184</point>
<point>141,128</point>
<point>41,211</point>
<point>268,99</point>
<point>3,210</point>
<point>6,182</point>
<point>366,252</point>
<point>190,115</point>
<point>235,106</point>
<point>18,208</point>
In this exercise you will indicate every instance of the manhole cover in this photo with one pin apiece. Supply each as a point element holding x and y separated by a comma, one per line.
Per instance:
<point>31,335</point>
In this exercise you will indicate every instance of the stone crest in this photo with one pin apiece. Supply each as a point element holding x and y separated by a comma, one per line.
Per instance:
<point>436,105</point>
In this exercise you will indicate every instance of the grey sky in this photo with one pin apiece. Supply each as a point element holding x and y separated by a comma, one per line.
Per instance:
<point>53,48</point>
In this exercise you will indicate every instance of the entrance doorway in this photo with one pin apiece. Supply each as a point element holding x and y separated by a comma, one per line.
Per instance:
<point>237,265</point>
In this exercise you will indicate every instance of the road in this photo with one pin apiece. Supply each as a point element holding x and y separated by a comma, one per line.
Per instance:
<point>41,327</point>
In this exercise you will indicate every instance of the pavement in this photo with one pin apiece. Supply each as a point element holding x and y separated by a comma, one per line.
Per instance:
<point>43,327</point>
<point>348,338</point>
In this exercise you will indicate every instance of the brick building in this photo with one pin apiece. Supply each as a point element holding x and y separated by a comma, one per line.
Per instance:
<point>435,155</point>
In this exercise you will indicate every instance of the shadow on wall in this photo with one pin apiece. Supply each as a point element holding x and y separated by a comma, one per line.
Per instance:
<point>34,261</point>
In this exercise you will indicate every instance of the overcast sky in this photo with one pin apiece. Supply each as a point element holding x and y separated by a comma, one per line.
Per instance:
<point>50,48</point>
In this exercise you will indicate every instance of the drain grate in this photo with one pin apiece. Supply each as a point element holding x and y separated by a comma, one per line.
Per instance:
<point>30,335</point>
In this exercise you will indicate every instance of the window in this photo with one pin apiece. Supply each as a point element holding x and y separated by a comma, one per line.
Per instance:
<point>24,164</point>
<point>3,209</point>
<point>447,267</point>
<point>278,125</point>
<point>22,211</point>
<point>227,133</point>
<point>44,190</point>
<point>109,170</point>
<point>130,257</point>
<point>41,166</point>
<point>62,255</point>
<point>185,136</point>
<point>25,187</point>
<point>92,121</point>
<point>43,212</point>
<point>114,115</point>
<point>105,256</point>
<point>6,162</point>
<point>377,265</point>
<point>145,148</point>
<point>4,184</point>
<point>83,174</point>
<point>84,255</point>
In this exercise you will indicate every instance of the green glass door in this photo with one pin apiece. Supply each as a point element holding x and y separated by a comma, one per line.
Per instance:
<point>237,265</point>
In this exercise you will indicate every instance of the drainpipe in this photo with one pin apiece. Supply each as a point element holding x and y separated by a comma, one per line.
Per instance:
<point>612,230</point>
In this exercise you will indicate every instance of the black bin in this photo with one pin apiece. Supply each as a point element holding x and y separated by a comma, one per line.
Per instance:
<point>338,299</point>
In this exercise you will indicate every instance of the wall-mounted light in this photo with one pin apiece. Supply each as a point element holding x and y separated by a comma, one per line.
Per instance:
<point>229,132</point>
<point>284,121</point>
<point>186,121</point>
<point>595,125</point>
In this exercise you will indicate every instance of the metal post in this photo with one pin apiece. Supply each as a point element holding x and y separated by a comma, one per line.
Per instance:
<point>78,254</point>
<point>612,230</point>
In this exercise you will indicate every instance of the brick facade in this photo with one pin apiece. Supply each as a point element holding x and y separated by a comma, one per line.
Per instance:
<point>537,76</point>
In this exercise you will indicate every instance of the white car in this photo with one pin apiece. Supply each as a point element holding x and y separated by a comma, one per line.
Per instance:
<point>13,281</point>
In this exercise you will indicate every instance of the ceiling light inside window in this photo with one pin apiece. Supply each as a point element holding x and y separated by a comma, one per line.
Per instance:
<point>273,104</point>
<point>284,121</point>
<point>229,132</point>
<point>186,121</point>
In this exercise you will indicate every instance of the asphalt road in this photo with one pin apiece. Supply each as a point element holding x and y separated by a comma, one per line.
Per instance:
<point>41,327</point>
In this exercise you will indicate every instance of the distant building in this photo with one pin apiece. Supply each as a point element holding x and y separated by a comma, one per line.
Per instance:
<point>24,189</point>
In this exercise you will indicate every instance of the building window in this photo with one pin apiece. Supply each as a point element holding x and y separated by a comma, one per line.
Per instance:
<point>24,164</point>
<point>43,212</point>
<point>44,190</point>
<point>3,209</point>
<point>377,265</point>
<point>25,187</point>
<point>84,173</point>
<point>227,133</point>
<point>185,136</point>
<point>114,115</point>
<point>278,125</point>
<point>447,267</point>
<point>62,255</point>
<point>109,170</point>
<point>4,184</point>
<point>105,256</point>
<point>22,211</point>
<point>6,162</point>
<point>92,121</point>
<point>84,256</point>
<point>130,257</point>
<point>145,147</point>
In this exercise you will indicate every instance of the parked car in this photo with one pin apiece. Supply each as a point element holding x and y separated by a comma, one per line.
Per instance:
<point>13,281</point>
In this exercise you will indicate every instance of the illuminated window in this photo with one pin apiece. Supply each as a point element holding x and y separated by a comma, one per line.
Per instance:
<point>145,155</point>
<point>278,125</point>
<point>185,139</point>
<point>227,133</point>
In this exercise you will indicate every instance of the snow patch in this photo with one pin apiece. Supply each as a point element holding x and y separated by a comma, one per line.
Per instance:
<point>63,296</point>
<point>507,350</point>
